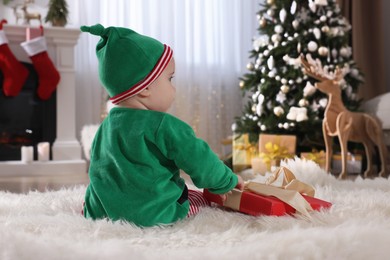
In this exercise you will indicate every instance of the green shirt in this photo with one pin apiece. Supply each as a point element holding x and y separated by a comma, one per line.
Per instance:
<point>134,169</point>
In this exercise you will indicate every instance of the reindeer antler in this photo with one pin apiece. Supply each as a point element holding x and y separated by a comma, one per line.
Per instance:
<point>314,69</point>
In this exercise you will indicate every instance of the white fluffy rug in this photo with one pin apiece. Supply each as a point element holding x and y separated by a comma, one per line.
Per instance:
<point>49,226</point>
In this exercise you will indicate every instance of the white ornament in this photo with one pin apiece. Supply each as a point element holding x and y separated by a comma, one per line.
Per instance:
<point>299,80</point>
<point>283,80</point>
<point>271,62</point>
<point>266,53</point>
<point>271,12</point>
<point>312,46</point>
<point>260,42</point>
<point>346,52</point>
<point>234,127</point>
<point>321,2</point>
<point>278,111</point>
<point>317,33</point>
<point>334,53</point>
<point>309,89</point>
<point>280,125</point>
<point>272,73</point>
<point>312,6</point>
<point>277,77</point>
<point>276,38</point>
<point>293,8</point>
<point>281,97</point>
<point>323,102</point>
<point>279,29</point>
<point>302,114</point>
<point>286,125</point>
<point>299,47</point>
<point>295,24</point>
<point>323,51</point>
<point>263,128</point>
<point>262,81</point>
<point>323,18</point>
<point>282,15</point>
<point>292,113</point>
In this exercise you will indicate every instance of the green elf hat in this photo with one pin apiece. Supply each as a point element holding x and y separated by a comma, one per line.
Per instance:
<point>128,62</point>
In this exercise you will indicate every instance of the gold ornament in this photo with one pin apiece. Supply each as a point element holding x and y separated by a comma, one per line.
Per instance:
<point>263,22</point>
<point>242,84</point>
<point>250,66</point>
<point>285,89</point>
<point>303,103</point>
<point>254,108</point>
<point>270,2</point>
<point>323,51</point>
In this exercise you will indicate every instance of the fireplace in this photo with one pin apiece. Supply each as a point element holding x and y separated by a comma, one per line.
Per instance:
<point>25,120</point>
<point>52,121</point>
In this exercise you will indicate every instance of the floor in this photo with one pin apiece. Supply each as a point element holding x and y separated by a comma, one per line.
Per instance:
<point>42,183</point>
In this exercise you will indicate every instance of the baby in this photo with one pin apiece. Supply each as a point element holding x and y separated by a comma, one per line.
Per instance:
<point>139,149</point>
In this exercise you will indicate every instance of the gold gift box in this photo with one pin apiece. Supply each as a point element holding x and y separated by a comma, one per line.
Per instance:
<point>243,151</point>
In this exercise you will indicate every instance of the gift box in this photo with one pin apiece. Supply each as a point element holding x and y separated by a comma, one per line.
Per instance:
<point>243,151</point>
<point>254,204</point>
<point>354,163</point>
<point>272,150</point>
<point>315,156</point>
<point>281,194</point>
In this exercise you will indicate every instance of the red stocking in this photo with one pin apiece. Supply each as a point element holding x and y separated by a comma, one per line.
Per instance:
<point>14,73</point>
<point>48,75</point>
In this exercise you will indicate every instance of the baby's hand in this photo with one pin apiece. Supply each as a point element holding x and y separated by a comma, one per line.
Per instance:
<point>240,184</point>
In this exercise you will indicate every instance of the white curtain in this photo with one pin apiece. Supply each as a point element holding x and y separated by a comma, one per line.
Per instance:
<point>211,40</point>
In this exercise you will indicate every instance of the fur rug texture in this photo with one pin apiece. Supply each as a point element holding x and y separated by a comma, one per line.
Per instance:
<point>48,225</point>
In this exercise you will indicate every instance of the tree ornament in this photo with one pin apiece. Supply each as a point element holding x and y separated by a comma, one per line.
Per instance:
<point>285,89</point>
<point>317,33</point>
<point>250,66</point>
<point>312,6</point>
<point>323,18</point>
<point>325,29</point>
<point>282,15</point>
<point>303,102</point>
<point>286,125</point>
<point>279,29</point>
<point>321,2</point>
<point>271,62</point>
<point>346,52</point>
<point>278,111</point>
<point>293,8</point>
<point>312,46</point>
<point>280,97</point>
<point>271,12</point>
<point>242,84</point>
<point>254,108</point>
<point>270,2</point>
<point>334,53</point>
<point>323,51</point>
<point>309,89</point>
<point>263,22</point>
<point>299,47</point>
<point>276,38</point>
<point>295,24</point>
<point>280,125</point>
<point>263,128</point>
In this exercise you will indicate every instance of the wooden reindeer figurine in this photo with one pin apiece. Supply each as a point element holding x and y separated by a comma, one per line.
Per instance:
<point>346,125</point>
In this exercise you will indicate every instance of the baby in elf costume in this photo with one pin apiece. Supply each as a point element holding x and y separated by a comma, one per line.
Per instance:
<point>139,148</point>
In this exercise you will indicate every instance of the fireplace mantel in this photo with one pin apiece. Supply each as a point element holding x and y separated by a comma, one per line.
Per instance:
<point>67,156</point>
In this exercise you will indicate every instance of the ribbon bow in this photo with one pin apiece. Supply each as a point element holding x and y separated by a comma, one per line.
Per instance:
<point>289,191</point>
<point>317,157</point>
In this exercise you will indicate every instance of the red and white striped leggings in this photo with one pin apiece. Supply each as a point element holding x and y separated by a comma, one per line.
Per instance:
<point>196,200</point>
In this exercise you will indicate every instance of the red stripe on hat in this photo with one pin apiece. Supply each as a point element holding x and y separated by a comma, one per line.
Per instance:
<point>152,76</point>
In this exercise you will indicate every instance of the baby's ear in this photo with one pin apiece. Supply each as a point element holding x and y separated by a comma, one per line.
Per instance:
<point>145,93</point>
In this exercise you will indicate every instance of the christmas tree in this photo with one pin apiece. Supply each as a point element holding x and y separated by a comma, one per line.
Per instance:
<point>282,99</point>
<point>57,13</point>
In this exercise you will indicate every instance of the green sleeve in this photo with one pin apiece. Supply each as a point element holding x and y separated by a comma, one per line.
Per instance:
<point>177,141</point>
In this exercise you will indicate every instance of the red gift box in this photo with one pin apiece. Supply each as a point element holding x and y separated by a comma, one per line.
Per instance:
<point>255,204</point>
